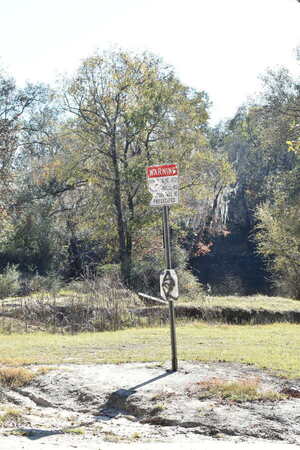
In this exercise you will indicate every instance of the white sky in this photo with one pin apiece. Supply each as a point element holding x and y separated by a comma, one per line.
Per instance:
<point>220,46</point>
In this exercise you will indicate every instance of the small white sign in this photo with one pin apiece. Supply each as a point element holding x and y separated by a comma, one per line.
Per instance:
<point>169,285</point>
<point>163,184</point>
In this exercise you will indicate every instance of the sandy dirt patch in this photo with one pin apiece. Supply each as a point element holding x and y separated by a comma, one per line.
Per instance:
<point>101,407</point>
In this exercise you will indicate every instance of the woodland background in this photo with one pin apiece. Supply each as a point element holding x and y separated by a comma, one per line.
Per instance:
<point>74,202</point>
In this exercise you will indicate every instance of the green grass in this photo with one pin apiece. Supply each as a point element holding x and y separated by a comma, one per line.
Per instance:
<point>275,347</point>
<point>257,302</point>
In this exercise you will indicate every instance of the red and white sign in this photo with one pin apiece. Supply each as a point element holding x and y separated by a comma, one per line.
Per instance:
<point>168,170</point>
<point>163,183</point>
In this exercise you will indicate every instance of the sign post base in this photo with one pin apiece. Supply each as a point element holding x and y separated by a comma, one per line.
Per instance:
<point>173,336</point>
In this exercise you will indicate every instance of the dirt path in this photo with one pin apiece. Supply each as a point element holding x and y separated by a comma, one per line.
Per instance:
<point>103,407</point>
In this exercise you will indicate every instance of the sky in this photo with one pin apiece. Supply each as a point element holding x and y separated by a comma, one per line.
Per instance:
<point>220,46</point>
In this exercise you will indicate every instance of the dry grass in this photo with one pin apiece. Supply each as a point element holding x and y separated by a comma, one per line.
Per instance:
<point>11,417</point>
<point>97,305</point>
<point>76,430</point>
<point>110,436</point>
<point>243,390</point>
<point>13,377</point>
<point>103,305</point>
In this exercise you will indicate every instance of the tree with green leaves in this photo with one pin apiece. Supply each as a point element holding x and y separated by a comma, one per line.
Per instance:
<point>125,112</point>
<point>15,105</point>
<point>278,233</point>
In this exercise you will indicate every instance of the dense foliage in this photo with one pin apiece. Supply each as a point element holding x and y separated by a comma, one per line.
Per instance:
<point>261,142</point>
<point>74,199</point>
<point>78,199</point>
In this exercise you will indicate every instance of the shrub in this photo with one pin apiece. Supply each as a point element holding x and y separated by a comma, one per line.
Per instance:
<point>189,286</point>
<point>287,284</point>
<point>278,233</point>
<point>145,275</point>
<point>37,283</point>
<point>9,281</point>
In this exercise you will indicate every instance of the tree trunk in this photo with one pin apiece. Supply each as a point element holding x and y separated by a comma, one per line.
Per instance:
<point>124,249</point>
<point>129,236</point>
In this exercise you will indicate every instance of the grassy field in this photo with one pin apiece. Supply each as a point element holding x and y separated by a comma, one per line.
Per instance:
<point>274,347</point>
<point>257,302</point>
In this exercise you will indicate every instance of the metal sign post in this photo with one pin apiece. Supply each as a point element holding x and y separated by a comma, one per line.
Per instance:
<point>163,185</point>
<point>168,284</point>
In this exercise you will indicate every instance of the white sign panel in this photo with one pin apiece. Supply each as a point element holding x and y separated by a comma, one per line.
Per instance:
<point>163,184</point>
<point>169,285</point>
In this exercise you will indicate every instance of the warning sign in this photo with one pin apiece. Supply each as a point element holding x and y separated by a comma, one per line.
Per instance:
<point>163,184</point>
